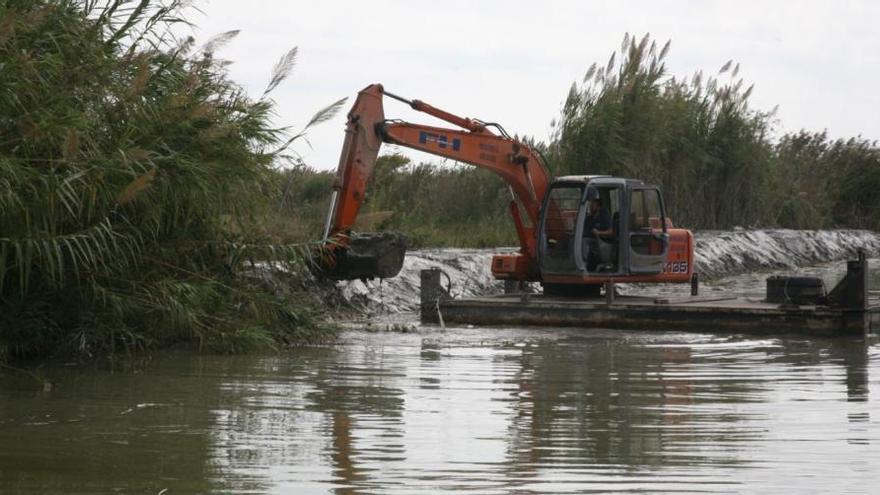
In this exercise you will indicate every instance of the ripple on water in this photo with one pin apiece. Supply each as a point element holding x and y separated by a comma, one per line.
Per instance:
<point>466,409</point>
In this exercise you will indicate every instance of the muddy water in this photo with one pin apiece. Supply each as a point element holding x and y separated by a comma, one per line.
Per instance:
<point>461,409</point>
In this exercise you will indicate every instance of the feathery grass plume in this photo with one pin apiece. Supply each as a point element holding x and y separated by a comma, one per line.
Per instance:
<point>135,187</point>
<point>610,65</point>
<point>326,113</point>
<point>320,116</point>
<point>281,70</point>
<point>219,41</point>
<point>590,72</point>
<point>71,144</point>
<point>665,49</point>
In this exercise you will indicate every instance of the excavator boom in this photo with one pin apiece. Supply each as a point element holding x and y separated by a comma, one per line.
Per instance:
<point>360,149</point>
<point>520,168</point>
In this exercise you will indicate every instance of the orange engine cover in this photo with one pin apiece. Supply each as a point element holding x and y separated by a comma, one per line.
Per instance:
<point>513,266</point>
<point>679,265</point>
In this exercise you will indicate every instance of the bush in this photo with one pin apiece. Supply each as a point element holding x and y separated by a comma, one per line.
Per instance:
<point>133,178</point>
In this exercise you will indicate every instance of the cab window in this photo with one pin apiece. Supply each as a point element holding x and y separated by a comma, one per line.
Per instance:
<point>645,210</point>
<point>562,211</point>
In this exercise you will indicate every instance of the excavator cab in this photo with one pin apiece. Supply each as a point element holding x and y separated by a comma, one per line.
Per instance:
<point>600,227</point>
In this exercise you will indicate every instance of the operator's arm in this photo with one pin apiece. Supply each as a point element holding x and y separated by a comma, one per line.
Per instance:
<point>602,225</point>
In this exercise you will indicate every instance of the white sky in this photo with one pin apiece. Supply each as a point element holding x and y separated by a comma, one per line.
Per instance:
<point>513,62</point>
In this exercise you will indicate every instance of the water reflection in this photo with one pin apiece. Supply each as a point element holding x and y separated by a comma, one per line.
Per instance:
<point>541,411</point>
<point>488,410</point>
<point>594,408</point>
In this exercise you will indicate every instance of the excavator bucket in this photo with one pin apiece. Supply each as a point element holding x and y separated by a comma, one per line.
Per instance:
<point>363,256</point>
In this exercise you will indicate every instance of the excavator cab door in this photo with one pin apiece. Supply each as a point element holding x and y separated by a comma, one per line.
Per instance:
<point>646,227</point>
<point>561,229</point>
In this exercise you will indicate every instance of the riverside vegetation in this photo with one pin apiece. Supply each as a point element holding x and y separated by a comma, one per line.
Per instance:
<point>140,199</point>
<point>133,178</point>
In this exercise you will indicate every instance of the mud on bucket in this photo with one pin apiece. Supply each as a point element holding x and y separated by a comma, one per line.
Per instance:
<point>369,255</point>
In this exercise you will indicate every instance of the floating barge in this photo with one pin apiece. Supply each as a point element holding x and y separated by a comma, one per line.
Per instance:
<point>846,310</point>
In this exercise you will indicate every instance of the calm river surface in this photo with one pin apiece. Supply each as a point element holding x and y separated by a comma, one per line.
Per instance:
<point>483,410</point>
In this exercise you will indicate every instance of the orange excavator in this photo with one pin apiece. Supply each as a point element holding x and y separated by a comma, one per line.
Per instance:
<point>575,232</point>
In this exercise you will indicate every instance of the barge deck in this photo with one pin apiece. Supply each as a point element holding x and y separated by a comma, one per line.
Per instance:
<point>633,312</point>
<point>847,310</point>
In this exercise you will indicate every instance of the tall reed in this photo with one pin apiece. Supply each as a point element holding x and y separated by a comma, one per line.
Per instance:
<point>133,183</point>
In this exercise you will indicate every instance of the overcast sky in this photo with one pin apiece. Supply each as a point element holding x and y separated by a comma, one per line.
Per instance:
<point>513,62</point>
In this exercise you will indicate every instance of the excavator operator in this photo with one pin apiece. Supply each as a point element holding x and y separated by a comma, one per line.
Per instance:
<point>597,224</point>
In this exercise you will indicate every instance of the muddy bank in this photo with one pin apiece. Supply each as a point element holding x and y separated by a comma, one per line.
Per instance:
<point>718,253</point>
<point>725,253</point>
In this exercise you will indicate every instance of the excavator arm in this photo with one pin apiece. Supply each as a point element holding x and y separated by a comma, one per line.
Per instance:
<point>520,168</point>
